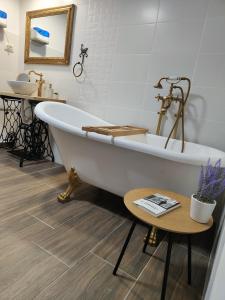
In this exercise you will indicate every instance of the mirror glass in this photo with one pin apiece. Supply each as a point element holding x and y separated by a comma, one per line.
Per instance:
<point>48,35</point>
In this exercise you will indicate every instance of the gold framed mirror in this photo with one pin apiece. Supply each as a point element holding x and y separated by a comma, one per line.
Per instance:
<point>48,35</point>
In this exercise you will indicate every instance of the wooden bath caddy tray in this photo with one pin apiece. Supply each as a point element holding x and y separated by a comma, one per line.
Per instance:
<point>115,130</point>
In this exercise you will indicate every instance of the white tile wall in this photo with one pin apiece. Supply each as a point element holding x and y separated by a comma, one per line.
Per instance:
<point>210,70</point>
<point>128,67</point>
<point>213,41</point>
<point>131,45</point>
<point>143,39</point>
<point>216,8</point>
<point>137,12</point>
<point>207,103</point>
<point>182,10</point>
<point>162,64</point>
<point>126,95</point>
<point>178,37</point>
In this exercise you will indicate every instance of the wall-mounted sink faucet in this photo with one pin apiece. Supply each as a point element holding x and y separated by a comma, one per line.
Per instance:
<point>40,82</point>
<point>179,97</point>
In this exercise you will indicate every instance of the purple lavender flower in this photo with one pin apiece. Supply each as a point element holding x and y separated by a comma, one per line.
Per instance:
<point>211,182</point>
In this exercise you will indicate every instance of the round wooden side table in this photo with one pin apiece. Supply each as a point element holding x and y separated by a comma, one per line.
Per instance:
<point>177,221</point>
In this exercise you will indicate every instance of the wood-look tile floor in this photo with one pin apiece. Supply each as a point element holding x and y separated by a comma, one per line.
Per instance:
<point>59,251</point>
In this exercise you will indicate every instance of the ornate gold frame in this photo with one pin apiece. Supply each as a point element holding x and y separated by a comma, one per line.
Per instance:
<point>69,10</point>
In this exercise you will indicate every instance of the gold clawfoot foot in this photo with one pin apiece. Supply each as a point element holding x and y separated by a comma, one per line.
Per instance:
<point>153,240</point>
<point>74,182</point>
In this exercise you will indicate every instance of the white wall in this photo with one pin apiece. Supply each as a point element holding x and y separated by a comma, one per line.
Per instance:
<point>131,45</point>
<point>9,61</point>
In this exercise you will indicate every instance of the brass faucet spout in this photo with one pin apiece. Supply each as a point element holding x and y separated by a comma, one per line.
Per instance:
<point>40,82</point>
<point>181,99</point>
<point>158,85</point>
<point>36,73</point>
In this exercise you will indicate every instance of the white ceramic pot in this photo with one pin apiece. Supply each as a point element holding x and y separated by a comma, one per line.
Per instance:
<point>200,211</point>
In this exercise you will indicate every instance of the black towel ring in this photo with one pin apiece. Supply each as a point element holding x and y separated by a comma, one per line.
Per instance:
<point>81,69</point>
<point>83,54</point>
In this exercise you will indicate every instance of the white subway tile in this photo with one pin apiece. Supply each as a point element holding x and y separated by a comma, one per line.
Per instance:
<point>95,109</point>
<point>213,38</point>
<point>210,71</point>
<point>130,67</point>
<point>178,37</point>
<point>103,13</point>
<point>206,103</point>
<point>135,39</point>
<point>148,119</point>
<point>122,116</point>
<point>81,16</point>
<point>205,132</point>
<point>170,64</point>
<point>150,103</point>
<point>173,10</point>
<point>138,12</point>
<point>128,95</point>
<point>216,8</point>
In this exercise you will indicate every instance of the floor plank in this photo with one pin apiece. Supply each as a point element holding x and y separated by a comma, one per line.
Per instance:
<point>134,260</point>
<point>25,227</point>
<point>50,250</point>
<point>91,278</point>
<point>77,236</point>
<point>55,213</point>
<point>25,269</point>
<point>23,197</point>
<point>149,284</point>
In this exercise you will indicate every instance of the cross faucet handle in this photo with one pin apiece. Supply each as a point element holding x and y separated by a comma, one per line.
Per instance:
<point>159,97</point>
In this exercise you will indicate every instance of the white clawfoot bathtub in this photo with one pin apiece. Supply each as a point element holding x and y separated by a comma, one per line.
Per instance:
<point>123,163</point>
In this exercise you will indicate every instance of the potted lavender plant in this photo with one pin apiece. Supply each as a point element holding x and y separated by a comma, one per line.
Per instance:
<point>211,185</point>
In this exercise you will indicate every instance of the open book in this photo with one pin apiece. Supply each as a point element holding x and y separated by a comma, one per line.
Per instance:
<point>157,204</point>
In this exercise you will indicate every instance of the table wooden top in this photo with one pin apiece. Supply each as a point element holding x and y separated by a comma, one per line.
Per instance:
<point>178,220</point>
<point>32,98</point>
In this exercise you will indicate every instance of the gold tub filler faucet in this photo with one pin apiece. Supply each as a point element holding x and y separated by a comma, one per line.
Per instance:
<point>180,98</point>
<point>178,95</point>
<point>40,82</point>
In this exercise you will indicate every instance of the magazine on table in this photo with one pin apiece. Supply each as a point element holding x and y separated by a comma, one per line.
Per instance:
<point>157,204</point>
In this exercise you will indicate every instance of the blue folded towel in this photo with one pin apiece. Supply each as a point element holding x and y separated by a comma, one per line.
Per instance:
<point>3,14</point>
<point>42,31</point>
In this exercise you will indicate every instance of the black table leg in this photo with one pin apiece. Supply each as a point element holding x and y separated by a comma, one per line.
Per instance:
<point>147,239</point>
<point>189,259</point>
<point>124,247</point>
<point>167,264</point>
<point>11,122</point>
<point>21,162</point>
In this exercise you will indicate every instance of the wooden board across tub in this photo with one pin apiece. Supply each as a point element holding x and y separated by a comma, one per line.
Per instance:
<point>115,130</point>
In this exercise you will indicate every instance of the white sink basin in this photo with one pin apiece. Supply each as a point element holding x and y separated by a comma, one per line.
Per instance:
<point>22,87</point>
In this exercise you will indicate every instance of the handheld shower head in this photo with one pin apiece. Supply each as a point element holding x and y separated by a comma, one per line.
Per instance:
<point>158,85</point>
<point>173,78</point>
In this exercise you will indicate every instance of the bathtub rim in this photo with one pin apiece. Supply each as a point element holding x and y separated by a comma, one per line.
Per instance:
<point>124,142</point>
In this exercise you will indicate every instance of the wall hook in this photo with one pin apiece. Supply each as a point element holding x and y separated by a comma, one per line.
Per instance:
<point>83,54</point>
